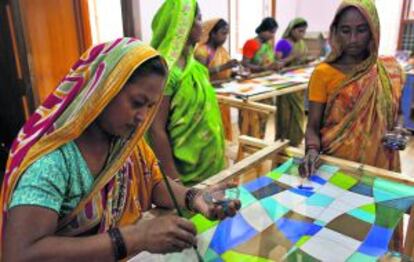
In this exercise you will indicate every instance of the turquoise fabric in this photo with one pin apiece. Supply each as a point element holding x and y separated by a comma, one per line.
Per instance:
<point>58,180</point>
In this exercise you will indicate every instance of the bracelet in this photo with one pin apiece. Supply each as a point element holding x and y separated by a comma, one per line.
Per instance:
<point>189,199</point>
<point>118,244</point>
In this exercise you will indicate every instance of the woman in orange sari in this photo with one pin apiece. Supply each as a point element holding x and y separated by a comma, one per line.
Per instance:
<point>354,95</point>
<point>80,174</point>
<point>211,53</point>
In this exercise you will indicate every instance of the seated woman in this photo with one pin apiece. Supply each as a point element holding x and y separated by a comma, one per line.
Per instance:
<point>80,175</point>
<point>258,54</point>
<point>211,53</point>
<point>292,50</point>
<point>187,134</point>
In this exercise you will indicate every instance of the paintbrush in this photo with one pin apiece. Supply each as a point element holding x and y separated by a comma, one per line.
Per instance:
<point>180,214</point>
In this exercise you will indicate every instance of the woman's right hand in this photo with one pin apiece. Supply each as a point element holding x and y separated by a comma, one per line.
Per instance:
<point>166,234</point>
<point>310,163</point>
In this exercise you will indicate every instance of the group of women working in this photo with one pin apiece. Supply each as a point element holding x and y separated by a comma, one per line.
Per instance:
<point>80,173</point>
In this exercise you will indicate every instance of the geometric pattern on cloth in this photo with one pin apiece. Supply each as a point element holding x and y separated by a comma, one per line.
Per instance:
<point>336,217</point>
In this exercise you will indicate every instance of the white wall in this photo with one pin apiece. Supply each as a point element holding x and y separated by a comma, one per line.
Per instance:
<point>106,20</point>
<point>390,14</point>
<point>209,9</point>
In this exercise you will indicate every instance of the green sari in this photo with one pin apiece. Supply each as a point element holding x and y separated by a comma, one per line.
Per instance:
<point>264,56</point>
<point>195,127</point>
<point>291,108</point>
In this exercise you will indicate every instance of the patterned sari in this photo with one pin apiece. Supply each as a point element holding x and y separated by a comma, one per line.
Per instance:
<point>291,109</point>
<point>78,100</point>
<point>195,127</point>
<point>366,104</point>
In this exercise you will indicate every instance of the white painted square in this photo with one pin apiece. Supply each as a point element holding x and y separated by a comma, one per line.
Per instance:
<point>309,211</point>
<point>328,245</point>
<point>203,240</point>
<point>289,199</point>
<point>329,214</point>
<point>355,200</point>
<point>256,216</point>
<point>331,190</point>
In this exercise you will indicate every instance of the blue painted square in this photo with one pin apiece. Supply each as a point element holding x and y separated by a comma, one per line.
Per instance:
<point>362,189</point>
<point>274,208</point>
<point>317,179</point>
<point>268,190</point>
<point>294,229</point>
<point>230,233</point>
<point>302,192</point>
<point>402,204</point>
<point>376,242</point>
<point>258,183</point>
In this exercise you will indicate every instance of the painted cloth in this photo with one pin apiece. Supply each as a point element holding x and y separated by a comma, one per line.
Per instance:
<point>337,216</point>
<point>260,53</point>
<point>215,58</point>
<point>365,105</point>
<point>122,190</point>
<point>195,127</point>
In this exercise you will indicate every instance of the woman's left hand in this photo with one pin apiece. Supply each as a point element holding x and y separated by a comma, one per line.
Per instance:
<point>216,211</point>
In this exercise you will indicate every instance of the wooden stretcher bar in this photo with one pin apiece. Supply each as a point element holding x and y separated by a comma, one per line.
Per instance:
<point>275,93</point>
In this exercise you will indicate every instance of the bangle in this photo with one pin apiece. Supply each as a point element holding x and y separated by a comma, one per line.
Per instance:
<point>189,199</point>
<point>118,244</point>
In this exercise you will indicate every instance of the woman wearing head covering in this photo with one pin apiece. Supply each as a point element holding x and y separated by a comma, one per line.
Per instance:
<point>211,53</point>
<point>354,95</point>
<point>187,134</point>
<point>258,54</point>
<point>79,174</point>
<point>291,110</point>
<point>292,48</point>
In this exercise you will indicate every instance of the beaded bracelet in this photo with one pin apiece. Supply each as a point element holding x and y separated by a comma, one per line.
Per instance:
<point>189,198</point>
<point>118,244</point>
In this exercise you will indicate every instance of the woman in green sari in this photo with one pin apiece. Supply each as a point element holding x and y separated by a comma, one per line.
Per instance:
<point>291,114</point>
<point>187,134</point>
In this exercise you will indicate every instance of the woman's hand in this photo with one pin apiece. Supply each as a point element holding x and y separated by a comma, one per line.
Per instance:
<point>214,210</point>
<point>166,234</point>
<point>310,163</point>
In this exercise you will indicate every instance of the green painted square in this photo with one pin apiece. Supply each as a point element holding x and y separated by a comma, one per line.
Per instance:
<point>285,167</point>
<point>273,208</point>
<point>370,208</point>
<point>387,216</point>
<point>202,224</point>
<point>359,257</point>
<point>246,198</point>
<point>211,256</point>
<point>232,256</point>
<point>343,180</point>
<point>302,241</point>
<point>319,200</point>
<point>275,175</point>
<point>320,223</point>
<point>388,190</point>
<point>299,255</point>
<point>362,215</point>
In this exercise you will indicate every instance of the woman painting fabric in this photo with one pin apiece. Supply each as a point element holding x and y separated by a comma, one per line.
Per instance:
<point>258,54</point>
<point>80,175</point>
<point>211,53</point>
<point>291,49</point>
<point>354,95</point>
<point>187,134</point>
